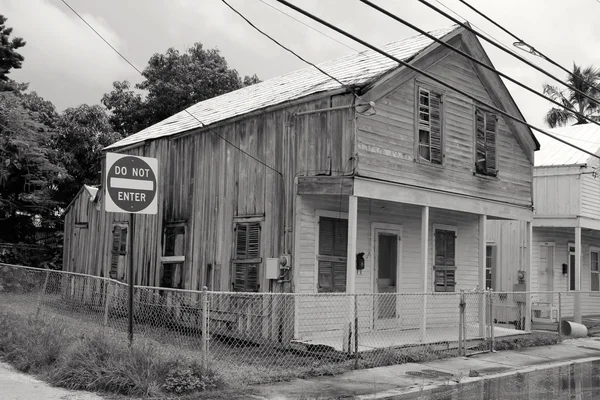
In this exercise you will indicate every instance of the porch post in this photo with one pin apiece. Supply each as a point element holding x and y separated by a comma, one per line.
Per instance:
<point>351,273</point>
<point>528,270</point>
<point>352,227</point>
<point>482,261</point>
<point>577,294</point>
<point>424,265</point>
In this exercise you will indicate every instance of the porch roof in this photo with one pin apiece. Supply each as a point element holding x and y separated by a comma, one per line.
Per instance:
<point>401,193</point>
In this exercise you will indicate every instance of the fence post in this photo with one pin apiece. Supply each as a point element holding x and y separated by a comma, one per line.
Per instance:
<point>205,333</point>
<point>492,337</point>
<point>41,295</point>
<point>559,318</point>
<point>461,321</point>
<point>355,331</point>
<point>107,298</point>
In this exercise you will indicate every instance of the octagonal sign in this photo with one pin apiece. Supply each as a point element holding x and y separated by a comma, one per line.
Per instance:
<point>131,184</point>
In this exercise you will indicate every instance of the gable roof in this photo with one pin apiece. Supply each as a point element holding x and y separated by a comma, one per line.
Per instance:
<point>91,191</point>
<point>553,152</point>
<point>353,70</point>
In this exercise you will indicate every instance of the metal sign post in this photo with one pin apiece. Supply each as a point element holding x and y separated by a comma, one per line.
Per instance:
<point>131,186</point>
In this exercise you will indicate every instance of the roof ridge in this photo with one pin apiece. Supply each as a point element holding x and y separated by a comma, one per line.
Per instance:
<point>352,69</point>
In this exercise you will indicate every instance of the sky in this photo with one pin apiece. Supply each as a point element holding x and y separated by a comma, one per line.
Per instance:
<point>65,62</point>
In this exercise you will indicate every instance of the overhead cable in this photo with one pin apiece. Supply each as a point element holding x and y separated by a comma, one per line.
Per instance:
<point>473,59</point>
<point>428,75</point>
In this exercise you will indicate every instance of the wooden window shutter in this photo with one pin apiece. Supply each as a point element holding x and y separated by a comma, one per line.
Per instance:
<point>480,161</point>
<point>241,247</point>
<point>245,277</point>
<point>450,249</point>
<point>332,254</point>
<point>435,105</point>
<point>491,125</point>
<point>253,247</point>
<point>326,237</point>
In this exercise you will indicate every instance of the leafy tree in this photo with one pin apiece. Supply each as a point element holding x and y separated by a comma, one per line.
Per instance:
<point>29,169</point>
<point>173,81</point>
<point>9,57</point>
<point>586,80</point>
<point>83,132</point>
<point>44,110</point>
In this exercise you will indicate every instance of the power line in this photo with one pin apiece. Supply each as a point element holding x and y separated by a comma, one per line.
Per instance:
<point>489,35</point>
<point>351,90</point>
<point>308,26</point>
<point>203,125</point>
<point>426,74</point>
<point>532,49</point>
<point>519,57</point>
<point>471,58</point>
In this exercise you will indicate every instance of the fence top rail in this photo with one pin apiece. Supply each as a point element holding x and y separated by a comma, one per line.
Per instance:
<point>323,295</point>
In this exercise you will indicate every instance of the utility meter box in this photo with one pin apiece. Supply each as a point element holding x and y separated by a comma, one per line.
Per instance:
<point>272,268</point>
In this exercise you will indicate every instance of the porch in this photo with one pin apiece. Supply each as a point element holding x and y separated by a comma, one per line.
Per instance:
<point>441,338</point>
<point>412,250</point>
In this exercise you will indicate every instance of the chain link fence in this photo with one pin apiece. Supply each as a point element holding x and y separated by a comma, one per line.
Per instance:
<point>262,337</point>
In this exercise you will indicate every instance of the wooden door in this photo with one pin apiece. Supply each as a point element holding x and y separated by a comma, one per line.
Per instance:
<point>386,272</point>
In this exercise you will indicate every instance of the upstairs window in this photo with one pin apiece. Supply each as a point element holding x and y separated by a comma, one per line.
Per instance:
<point>247,257</point>
<point>444,260</point>
<point>429,117</point>
<point>173,258</point>
<point>486,126</point>
<point>333,254</point>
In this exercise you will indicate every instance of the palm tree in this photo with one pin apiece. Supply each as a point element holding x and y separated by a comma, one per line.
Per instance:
<point>585,80</point>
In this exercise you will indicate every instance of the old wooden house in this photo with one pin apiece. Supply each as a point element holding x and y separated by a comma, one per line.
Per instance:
<point>384,192</point>
<point>566,229</point>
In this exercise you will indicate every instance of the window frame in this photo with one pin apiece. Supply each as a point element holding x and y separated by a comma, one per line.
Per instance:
<point>494,267</point>
<point>318,215</point>
<point>594,249</point>
<point>485,111</point>
<point>121,225</point>
<point>569,253</point>
<point>246,262</point>
<point>446,268</point>
<point>421,86</point>
<point>174,261</point>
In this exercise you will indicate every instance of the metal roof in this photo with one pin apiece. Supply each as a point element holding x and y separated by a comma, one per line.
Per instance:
<point>553,152</point>
<point>353,70</point>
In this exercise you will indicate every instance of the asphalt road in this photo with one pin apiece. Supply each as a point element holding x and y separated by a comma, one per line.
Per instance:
<point>15,385</point>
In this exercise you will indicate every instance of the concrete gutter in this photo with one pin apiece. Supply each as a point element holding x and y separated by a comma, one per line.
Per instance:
<point>395,381</point>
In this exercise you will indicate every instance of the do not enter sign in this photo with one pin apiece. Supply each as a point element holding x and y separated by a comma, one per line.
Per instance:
<point>131,184</point>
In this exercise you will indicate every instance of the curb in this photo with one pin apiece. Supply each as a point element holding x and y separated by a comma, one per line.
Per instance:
<point>394,393</point>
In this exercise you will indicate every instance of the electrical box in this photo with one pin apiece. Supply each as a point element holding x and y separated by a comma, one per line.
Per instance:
<point>272,268</point>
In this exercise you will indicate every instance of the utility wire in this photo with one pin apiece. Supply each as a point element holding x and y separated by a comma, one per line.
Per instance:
<point>308,26</point>
<point>519,57</point>
<point>489,35</point>
<point>471,58</point>
<point>350,89</point>
<point>532,49</point>
<point>426,74</point>
<point>203,125</point>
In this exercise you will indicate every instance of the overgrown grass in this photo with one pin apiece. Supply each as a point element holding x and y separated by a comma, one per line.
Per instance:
<point>532,340</point>
<point>98,362</point>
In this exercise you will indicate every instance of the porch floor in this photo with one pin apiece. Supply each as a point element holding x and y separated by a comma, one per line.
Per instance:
<point>381,339</point>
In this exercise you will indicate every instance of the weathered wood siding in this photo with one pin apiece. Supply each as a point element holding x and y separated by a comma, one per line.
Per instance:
<point>322,314</point>
<point>556,191</point>
<point>207,183</point>
<point>510,239</point>
<point>590,194</point>
<point>386,141</point>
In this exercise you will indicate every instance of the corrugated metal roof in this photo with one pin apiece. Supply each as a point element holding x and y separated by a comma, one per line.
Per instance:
<point>353,70</point>
<point>553,152</point>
